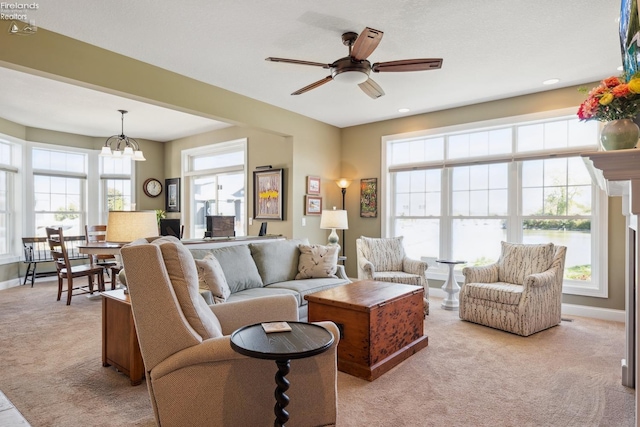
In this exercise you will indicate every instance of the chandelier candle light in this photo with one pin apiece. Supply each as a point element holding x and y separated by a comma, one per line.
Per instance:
<point>332,220</point>
<point>616,101</point>
<point>121,145</point>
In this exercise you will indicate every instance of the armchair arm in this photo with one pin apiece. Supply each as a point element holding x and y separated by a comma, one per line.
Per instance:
<point>341,273</point>
<point>233,315</point>
<point>414,266</point>
<point>481,274</point>
<point>546,278</point>
<point>208,351</point>
<point>366,267</point>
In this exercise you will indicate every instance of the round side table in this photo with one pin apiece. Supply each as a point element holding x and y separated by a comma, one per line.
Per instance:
<point>451,287</point>
<point>304,340</point>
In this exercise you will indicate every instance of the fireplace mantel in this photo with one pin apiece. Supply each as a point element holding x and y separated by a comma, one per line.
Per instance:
<point>618,173</point>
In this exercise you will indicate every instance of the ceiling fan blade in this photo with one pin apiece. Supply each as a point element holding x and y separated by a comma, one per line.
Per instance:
<point>371,88</point>
<point>296,61</point>
<point>313,85</point>
<point>408,65</point>
<point>366,43</point>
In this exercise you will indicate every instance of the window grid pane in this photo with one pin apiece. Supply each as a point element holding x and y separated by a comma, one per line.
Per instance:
<point>555,195</point>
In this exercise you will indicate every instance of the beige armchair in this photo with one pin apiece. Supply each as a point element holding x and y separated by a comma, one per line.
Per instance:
<point>384,259</point>
<point>193,376</point>
<point>521,293</point>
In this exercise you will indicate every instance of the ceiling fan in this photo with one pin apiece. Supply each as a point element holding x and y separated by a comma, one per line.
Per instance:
<point>356,69</point>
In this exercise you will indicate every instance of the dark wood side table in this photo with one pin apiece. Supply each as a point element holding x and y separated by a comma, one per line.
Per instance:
<point>120,346</point>
<point>304,340</point>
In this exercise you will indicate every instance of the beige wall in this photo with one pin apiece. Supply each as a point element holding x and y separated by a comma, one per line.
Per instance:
<point>361,158</point>
<point>310,147</point>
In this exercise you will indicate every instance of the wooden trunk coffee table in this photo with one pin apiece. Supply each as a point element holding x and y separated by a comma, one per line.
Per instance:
<point>381,324</point>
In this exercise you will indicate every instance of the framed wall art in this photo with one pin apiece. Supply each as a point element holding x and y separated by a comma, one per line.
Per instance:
<point>268,197</point>
<point>312,205</point>
<point>313,185</point>
<point>369,197</point>
<point>172,201</point>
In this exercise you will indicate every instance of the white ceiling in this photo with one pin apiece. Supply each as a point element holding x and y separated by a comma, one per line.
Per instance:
<point>492,49</point>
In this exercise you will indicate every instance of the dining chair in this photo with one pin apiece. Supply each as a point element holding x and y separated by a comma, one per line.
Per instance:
<point>65,270</point>
<point>98,234</point>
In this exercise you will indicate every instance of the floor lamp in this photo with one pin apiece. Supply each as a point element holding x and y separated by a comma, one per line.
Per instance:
<point>343,183</point>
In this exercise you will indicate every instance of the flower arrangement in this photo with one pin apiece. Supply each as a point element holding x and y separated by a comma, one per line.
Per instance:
<point>613,99</point>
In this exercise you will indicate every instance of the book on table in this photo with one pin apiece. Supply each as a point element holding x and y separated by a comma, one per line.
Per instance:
<point>276,327</point>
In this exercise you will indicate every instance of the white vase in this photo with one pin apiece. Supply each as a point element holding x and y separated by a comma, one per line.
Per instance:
<point>619,135</point>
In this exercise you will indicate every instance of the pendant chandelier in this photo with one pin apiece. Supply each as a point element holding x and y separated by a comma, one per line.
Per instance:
<point>119,146</point>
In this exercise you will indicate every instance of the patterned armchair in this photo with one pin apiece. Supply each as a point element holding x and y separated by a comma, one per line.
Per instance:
<point>384,259</point>
<point>521,293</point>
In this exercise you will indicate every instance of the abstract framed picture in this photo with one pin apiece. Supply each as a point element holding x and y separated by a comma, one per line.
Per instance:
<point>313,185</point>
<point>369,197</point>
<point>172,201</point>
<point>268,200</point>
<point>312,205</point>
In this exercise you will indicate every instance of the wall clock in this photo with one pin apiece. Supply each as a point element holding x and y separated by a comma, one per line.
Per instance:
<point>152,187</point>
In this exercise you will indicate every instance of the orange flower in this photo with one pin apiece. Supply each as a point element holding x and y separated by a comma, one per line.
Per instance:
<point>621,90</point>
<point>597,90</point>
<point>611,81</point>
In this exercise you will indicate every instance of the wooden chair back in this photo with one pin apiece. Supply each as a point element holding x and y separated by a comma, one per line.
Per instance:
<point>97,234</point>
<point>55,239</point>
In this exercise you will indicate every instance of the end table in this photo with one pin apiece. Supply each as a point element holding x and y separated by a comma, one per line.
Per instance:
<point>451,287</point>
<point>304,340</point>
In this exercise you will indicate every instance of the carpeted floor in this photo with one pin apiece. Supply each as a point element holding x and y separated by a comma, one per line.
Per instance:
<point>469,375</point>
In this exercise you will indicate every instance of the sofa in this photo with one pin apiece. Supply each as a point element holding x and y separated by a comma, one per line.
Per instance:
<point>276,267</point>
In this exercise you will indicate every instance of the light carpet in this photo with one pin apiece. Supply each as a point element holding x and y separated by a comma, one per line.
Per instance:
<point>469,375</point>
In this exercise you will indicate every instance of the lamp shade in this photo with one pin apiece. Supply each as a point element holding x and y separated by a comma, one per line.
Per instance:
<point>335,219</point>
<point>343,183</point>
<point>127,226</point>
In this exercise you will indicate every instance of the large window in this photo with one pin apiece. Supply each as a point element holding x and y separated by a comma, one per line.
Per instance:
<point>215,184</point>
<point>117,192</point>
<point>456,193</point>
<point>59,184</point>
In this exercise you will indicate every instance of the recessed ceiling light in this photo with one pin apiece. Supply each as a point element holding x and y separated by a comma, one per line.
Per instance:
<point>550,81</point>
<point>403,110</point>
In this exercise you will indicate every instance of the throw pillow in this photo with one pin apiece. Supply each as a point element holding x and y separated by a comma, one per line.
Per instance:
<point>239,268</point>
<point>211,277</point>
<point>277,261</point>
<point>317,261</point>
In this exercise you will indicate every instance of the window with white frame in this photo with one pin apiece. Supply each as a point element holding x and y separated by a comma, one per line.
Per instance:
<point>59,189</point>
<point>8,172</point>
<point>456,193</point>
<point>215,179</point>
<point>116,184</point>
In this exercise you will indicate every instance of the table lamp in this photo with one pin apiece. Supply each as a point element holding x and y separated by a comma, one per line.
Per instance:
<point>334,220</point>
<point>127,226</point>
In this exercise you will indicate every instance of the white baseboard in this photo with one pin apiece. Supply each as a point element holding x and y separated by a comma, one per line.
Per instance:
<point>567,309</point>
<point>593,312</point>
<point>11,283</point>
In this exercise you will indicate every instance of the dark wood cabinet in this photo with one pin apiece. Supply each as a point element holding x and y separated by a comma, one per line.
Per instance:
<point>120,346</point>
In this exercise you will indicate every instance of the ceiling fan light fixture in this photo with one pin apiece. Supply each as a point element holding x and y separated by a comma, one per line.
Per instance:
<point>351,77</point>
